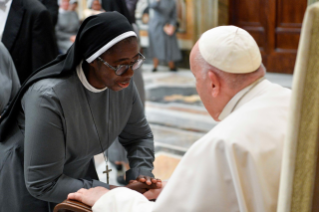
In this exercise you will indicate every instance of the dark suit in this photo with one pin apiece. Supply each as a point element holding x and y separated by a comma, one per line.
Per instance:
<point>53,8</point>
<point>29,36</point>
<point>117,5</point>
<point>131,7</point>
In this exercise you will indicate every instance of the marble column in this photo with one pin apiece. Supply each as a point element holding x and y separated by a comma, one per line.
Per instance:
<point>206,16</point>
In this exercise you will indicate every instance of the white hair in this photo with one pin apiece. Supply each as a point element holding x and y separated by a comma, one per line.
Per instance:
<point>232,80</point>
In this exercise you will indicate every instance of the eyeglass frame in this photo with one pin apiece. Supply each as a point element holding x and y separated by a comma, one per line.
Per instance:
<point>119,66</point>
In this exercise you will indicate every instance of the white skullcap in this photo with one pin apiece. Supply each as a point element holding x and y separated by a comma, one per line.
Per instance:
<point>230,49</point>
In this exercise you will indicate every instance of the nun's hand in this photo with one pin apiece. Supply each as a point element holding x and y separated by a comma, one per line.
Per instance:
<point>148,180</point>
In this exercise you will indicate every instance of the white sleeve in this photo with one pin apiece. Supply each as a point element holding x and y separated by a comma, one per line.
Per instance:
<point>123,199</point>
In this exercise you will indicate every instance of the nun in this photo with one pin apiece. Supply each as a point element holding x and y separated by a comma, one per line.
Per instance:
<point>67,26</point>
<point>70,110</point>
<point>163,44</point>
<point>9,80</point>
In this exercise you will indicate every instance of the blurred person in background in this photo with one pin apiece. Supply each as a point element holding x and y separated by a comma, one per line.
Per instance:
<point>161,32</point>
<point>73,5</point>
<point>117,5</point>
<point>131,7</point>
<point>94,8</point>
<point>27,32</point>
<point>67,26</point>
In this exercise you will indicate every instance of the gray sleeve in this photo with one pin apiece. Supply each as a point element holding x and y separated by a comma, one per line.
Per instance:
<point>173,16</point>
<point>137,139</point>
<point>44,149</point>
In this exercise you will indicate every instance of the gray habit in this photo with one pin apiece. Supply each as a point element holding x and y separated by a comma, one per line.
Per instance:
<point>68,25</point>
<point>161,45</point>
<point>9,80</point>
<point>60,138</point>
<point>116,151</point>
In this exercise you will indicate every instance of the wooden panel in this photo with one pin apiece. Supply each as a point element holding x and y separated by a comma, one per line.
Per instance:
<point>258,34</point>
<point>290,12</point>
<point>275,25</point>
<point>247,12</point>
<point>287,39</point>
<point>281,62</point>
<point>243,14</point>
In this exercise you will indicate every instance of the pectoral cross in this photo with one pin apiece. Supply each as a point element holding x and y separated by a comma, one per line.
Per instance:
<point>107,173</point>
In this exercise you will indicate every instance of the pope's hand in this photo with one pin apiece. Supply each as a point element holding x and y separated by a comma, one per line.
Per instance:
<point>88,196</point>
<point>154,193</point>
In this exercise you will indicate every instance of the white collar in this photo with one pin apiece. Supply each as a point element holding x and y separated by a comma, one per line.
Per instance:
<point>84,81</point>
<point>230,106</point>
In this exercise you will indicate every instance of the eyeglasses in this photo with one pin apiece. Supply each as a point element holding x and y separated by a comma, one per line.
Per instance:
<point>121,69</point>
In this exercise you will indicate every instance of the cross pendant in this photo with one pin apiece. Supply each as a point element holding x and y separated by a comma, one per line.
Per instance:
<point>107,171</point>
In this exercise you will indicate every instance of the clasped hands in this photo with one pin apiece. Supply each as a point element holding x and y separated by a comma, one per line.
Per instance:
<point>148,186</point>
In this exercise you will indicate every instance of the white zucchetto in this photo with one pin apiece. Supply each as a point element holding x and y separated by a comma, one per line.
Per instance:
<point>230,49</point>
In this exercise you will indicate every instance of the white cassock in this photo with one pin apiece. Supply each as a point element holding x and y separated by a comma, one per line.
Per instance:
<point>235,167</point>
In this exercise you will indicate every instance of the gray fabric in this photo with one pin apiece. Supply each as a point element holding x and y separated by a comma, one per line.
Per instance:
<point>9,80</point>
<point>161,45</point>
<point>139,82</point>
<point>68,25</point>
<point>78,132</point>
<point>116,151</point>
<point>60,138</point>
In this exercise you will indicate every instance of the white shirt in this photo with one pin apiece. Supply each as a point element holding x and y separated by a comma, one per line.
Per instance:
<point>234,167</point>
<point>4,12</point>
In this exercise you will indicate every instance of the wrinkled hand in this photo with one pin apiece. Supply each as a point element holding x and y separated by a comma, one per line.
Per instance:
<point>88,196</point>
<point>154,193</point>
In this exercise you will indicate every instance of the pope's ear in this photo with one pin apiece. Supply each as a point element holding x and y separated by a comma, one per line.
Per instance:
<point>214,84</point>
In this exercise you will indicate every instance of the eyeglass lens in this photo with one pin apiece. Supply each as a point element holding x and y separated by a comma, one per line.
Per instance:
<point>124,68</point>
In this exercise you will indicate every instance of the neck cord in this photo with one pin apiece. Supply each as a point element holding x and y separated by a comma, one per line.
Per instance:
<point>105,153</point>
